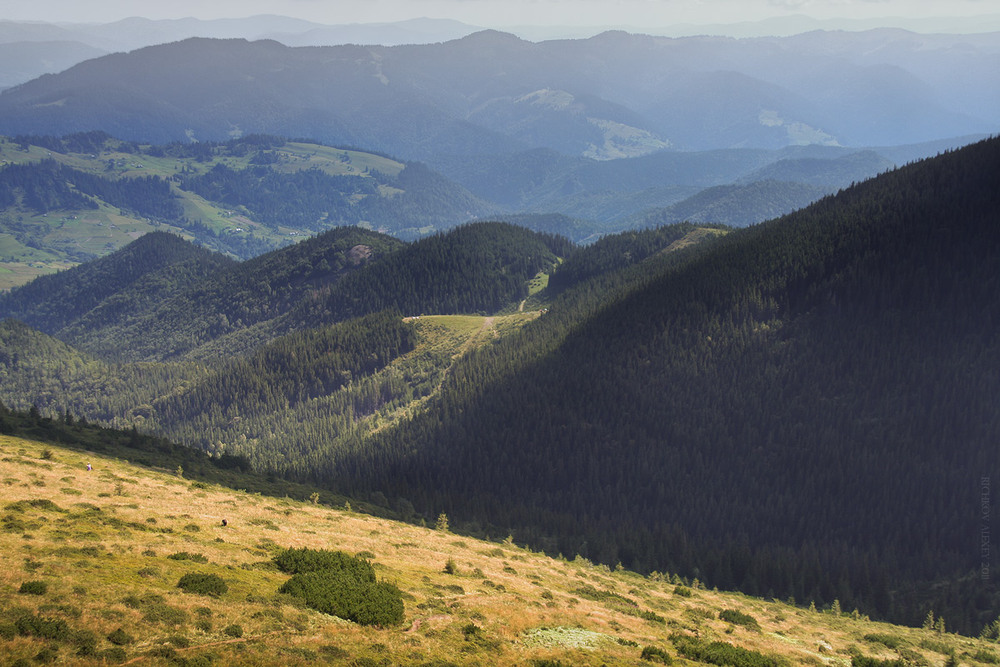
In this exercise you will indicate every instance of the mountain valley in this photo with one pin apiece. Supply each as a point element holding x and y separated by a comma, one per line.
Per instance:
<point>476,350</point>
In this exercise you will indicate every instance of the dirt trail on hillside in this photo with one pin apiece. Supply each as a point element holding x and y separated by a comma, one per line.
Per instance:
<point>474,338</point>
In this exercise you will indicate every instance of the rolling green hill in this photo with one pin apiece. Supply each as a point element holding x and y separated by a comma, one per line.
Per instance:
<point>734,205</point>
<point>130,312</point>
<point>69,199</point>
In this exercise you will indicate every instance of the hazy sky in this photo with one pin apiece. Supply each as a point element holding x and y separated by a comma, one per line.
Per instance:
<point>498,13</point>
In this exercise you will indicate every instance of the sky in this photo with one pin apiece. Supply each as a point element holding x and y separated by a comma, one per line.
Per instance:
<point>508,13</point>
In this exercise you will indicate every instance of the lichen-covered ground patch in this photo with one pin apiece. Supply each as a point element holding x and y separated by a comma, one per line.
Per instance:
<point>565,638</point>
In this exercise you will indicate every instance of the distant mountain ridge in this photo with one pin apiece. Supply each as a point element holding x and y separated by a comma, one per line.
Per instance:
<point>491,93</point>
<point>68,199</point>
<point>31,49</point>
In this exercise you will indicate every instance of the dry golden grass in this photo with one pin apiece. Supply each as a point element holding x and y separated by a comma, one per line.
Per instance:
<point>103,553</point>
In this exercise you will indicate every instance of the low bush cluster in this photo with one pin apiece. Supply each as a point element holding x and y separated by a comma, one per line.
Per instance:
<point>30,625</point>
<point>300,561</point>
<point>184,555</point>
<point>651,616</point>
<point>33,588</point>
<point>721,653</point>
<point>655,654</point>
<point>891,641</point>
<point>865,661</point>
<point>203,584</point>
<point>336,583</point>
<point>120,638</point>
<point>737,617</point>
<point>155,609</point>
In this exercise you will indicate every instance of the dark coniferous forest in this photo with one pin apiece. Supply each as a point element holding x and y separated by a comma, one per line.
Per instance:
<point>801,409</point>
<point>805,409</point>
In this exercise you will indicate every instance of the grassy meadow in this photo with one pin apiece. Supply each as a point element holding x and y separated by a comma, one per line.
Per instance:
<point>92,558</point>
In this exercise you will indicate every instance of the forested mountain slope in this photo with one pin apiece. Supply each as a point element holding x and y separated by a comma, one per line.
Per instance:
<point>150,269</point>
<point>805,409</point>
<point>280,353</point>
<point>734,205</point>
<point>179,308</point>
<point>480,268</point>
<point>476,268</point>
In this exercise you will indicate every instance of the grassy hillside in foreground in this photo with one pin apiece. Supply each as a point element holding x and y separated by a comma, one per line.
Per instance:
<point>94,557</point>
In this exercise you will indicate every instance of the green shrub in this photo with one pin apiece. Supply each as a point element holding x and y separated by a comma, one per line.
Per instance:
<point>721,653</point>
<point>683,591</point>
<point>114,655</point>
<point>233,630</point>
<point>739,618</point>
<point>43,504</point>
<point>162,651</point>
<point>652,617</point>
<point>184,555</point>
<point>120,638</point>
<point>332,652</point>
<point>35,587</point>
<point>591,593</point>
<point>987,656</point>
<point>865,661</point>
<point>203,584</point>
<point>47,655</point>
<point>87,651</point>
<point>301,561</point>
<point>654,654</point>
<point>339,584</point>
<point>43,628</point>
<point>891,641</point>
<point>936,646</point>
<point>155,609</point>
<point>364,602</point>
